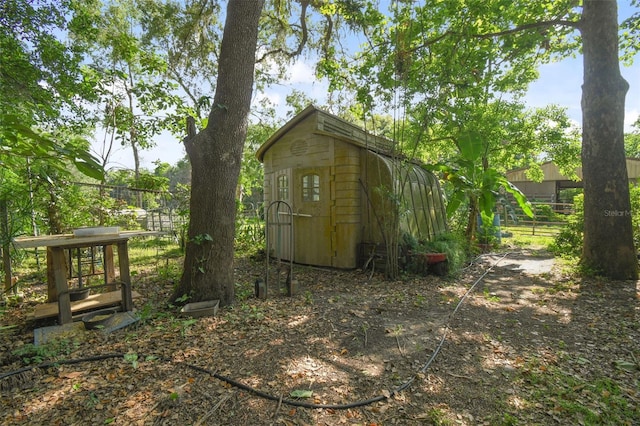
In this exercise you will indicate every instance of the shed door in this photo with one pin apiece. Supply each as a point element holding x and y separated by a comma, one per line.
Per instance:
<point>312,215</point>
<point>279,217</point>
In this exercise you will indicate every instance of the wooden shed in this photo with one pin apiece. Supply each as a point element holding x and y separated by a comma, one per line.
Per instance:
<point>342,185</point>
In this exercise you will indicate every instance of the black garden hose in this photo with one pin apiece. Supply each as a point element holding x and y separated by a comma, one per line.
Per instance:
<point>265,395</point>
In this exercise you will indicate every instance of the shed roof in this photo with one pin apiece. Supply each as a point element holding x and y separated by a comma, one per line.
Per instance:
<point>329,124</point>
<point>552,173</point>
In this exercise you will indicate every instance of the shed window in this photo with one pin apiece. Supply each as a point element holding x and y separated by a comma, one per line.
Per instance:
<point>311,187</point>
<point>283,187</point>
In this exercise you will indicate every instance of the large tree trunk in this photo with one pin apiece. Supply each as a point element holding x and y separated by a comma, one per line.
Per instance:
<point>216,154</point>
<point>608,241</point>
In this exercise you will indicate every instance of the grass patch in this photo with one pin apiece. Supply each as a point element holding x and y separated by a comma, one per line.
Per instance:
<point>523,237</point>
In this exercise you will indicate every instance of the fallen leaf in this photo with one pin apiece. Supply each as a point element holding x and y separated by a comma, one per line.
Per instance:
<point>626,365</point>
<point>359,314</point>
<point>298,393</point>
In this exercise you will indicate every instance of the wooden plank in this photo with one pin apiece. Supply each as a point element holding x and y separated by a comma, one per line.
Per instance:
<point>68,240</point>
<point>52,296</point>
<point>62,288</point>
<point>125,275</point>
<point>93,302</point>
<point>109,268</point>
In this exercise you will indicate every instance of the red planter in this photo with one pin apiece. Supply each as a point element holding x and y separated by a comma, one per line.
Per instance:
<point>435,257</point>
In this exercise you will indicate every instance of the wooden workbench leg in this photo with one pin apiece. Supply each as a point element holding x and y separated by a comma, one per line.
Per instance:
<point>109,269</point>
<point>52,296</point>
<point>125,276</point>
<point>62,287</point>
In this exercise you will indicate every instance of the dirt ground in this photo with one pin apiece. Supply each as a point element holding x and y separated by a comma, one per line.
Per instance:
<point>527,345</point>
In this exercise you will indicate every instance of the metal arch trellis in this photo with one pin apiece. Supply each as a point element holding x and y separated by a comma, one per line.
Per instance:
<point>278,224</point>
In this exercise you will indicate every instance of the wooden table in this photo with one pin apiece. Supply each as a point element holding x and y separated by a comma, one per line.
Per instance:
<point>57,269</point>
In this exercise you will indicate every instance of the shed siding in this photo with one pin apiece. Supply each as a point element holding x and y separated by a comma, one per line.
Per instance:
<point>538,190</point>
<point>346,212</point>
<point>552,173</point>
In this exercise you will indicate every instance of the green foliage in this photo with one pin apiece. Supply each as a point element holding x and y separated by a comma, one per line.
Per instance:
<point>72,207</point>
<point>251,174</point>
<point>186,324</point>
<point>490,297</point>
<point>42,92</point>
<point>629,36</point>
<point>50,351</point>
<point>253,313</point>
<point>202,239</point>
<point>250,232</point>
<point>527,240</point>
<point>569,240</point>
<point>130,80</point>
<point>244,291</point>
<point>132,358</point>
<point>475,183</point>
<point>438,417</point>
<point>545,213</point>
<point>444,66</point>
<point>486,232</point>
<point>589,401</point>
<point>634,195</point>
<point>452,244</point>
<point>301,393</point>
<point>632,141</point>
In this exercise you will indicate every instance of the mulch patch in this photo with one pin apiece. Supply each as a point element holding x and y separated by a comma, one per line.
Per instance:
<point>346,339</point>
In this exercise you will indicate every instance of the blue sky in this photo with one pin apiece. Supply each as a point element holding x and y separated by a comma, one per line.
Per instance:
<point>559,83</point>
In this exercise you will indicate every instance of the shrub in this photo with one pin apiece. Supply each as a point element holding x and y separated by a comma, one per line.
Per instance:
<point>569,240</point>
<point>545,213</point>
<point>634,193</point>
<point>453,244</point>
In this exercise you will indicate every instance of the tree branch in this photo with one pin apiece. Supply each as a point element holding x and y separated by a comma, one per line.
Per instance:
<point>303,40</point>
<point>524,27</point>
<point>530,26</point>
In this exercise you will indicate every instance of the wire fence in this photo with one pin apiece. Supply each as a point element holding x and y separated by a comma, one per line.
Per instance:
<point>548,220</point>
<point>156,211</point>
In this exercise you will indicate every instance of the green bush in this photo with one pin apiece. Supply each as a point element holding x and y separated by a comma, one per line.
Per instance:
<point>544,213</point>
<point>250,230</point>
<point>634,193</point>
<point>569,240</point>
<point>453,244</point>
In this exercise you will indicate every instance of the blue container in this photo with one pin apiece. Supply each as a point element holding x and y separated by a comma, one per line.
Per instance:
<point>496,225</point>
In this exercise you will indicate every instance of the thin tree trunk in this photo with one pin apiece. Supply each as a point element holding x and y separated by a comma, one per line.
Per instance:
<point>133,139</point>
<point>6,246</point>
<point>608,238</point>
<point>470,231</point>
<point>53,212</point>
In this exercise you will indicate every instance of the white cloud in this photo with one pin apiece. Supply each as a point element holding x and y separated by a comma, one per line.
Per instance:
<point>301,72</point>
<point>272,96</point>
